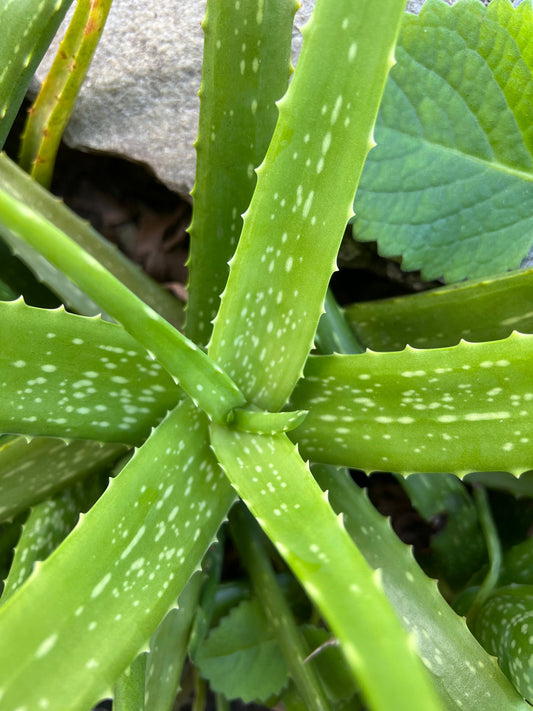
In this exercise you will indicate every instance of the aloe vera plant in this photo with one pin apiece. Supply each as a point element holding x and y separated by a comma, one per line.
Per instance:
<point>210,415</point>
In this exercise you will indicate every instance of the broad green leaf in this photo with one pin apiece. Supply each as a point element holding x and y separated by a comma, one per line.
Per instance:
<point>126,563</point>
<point>128,692</point>
<point>305,188</point>
<point>33,470</point>
<point>241,657</point>
<point>481,310</point>
<point>278,488</point>
<point>504,626</point>
<point>49,114</point>
<point>28,29</point>
<point>19,185</point>
<point>460,409</point>
<point>202,379</point>
<point>245,70</point>
<point>462,672</point>
<point>71,376</point>
<point>450,186</point>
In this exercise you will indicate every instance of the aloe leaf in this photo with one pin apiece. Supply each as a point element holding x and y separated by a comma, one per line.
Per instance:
<point>431,319</point>
<point>126,562</point>
<point>70,376</point>
<point>128,692</point>
<point>458,409</point>
<point>18,184</point>
<point>305,188</point>
<point>248,539</point>
<point>32,25</point>
<point>168,650</point>
<point>277,487</point>
<point>450,186</point>
<point>245,70</point>
<point>46,526</point>
<point>504,626</point>
<point>203,380</point>
<point>49,114</point>
<point>462,672</point>
<point>33,470</point>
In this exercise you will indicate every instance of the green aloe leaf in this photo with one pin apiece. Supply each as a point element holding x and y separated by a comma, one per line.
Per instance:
<point>450,186</point>
<point>459,409</point>
<point>71,376</point>
<point>462,672</point>
<point>245,70</point>
<point>126,562</point>
<point>504,626</point>
<point>32,25</point>
<point>305,188</point>
<point>480,310</point>
<point>19,185</point>
<point>204,381</point>
<point>33,470</point>
<point>278,488</point>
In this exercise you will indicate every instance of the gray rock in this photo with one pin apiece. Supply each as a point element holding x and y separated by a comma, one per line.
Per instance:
<point>139,100</point>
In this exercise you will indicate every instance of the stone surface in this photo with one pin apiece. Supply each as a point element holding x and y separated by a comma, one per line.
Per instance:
<point>140,97</point>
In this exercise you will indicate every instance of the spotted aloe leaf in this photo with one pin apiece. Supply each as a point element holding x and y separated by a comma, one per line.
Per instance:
<point>305,188</point>
<point>203,380</point>
<point>70,376</point>
<point>504,626</point>
<point>462,672</point>
<point>126,562</point>
<point>432,319</point>
<point>32,25</point>
<point>33,470</point>
<point>278,488</point>
<point>459,409</point>
<point>450,187</point>
<point>245,70</point>
<point>19,185</point>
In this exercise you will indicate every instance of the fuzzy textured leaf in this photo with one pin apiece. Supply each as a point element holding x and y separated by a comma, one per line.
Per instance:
<point>450,186</point>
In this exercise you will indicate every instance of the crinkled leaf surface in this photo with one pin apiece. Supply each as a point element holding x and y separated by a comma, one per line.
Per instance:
<point>450,185</point>
<point>241,657</point>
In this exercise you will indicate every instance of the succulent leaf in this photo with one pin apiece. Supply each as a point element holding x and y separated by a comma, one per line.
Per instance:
<point>245,71</point>
<point>305,188</point>
<point>459,409</point>
<point>277,487</point>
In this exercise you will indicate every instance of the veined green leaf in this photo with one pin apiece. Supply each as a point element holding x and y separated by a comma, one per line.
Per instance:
<point>245,70</point>
<point>49,115</point>
<point>202,379</point>
<point>125,562</point>
<point>305,188</point>
<point>70,376</point>
<point>481,310</point>
<point>29,26</point>
<point>450,186</point>
<point>33,470</point>
<point>462,671</point>
<point>459,409</point>
<point>18,184</point>
<point>277,487</point>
